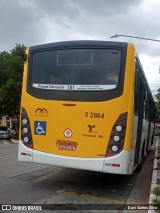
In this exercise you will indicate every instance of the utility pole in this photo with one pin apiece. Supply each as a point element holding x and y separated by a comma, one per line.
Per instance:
<point>149,39</point>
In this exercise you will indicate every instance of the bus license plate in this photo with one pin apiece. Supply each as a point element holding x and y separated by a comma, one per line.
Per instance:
<point>67,146</point>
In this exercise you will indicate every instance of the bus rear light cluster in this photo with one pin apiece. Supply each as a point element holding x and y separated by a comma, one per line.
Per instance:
<point>26,135</point>
<point>117,137</point>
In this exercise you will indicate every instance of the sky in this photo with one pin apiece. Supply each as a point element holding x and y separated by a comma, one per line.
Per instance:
<point>33,22</point>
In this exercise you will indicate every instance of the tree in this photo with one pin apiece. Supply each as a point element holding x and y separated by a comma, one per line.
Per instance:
<point>11,71</point>
<point>157,96</point>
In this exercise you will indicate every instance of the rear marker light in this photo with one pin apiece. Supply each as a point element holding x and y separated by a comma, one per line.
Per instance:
<point>69,104</point>
<point>116,165</point>
<point>112,164</point>
<point>25,154</point>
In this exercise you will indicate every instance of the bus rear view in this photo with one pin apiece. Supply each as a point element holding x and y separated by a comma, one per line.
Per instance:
<point>77,106</point>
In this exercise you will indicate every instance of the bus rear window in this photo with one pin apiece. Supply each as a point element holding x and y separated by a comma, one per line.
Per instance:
<point>76,69</point>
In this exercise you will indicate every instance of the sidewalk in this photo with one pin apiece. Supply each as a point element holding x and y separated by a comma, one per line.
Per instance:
<point>155,184</point>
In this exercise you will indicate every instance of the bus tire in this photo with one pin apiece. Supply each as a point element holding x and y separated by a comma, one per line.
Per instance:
<point>139,167</point>
<point>152,141</point>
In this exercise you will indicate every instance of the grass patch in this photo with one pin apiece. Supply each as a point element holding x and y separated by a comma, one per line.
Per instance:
<point>156,191</point>
<point>157,204</point>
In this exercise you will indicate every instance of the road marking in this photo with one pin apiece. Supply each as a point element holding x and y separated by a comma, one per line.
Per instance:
<point>45,177</point>
<point>3,157</point>
<point>93,197</point>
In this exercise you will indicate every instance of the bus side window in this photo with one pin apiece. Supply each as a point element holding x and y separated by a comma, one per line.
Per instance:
<point>145,105</point>
<point>136,90</point>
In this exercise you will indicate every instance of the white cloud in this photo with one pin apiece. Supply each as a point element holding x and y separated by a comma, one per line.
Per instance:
<point>34,22</point>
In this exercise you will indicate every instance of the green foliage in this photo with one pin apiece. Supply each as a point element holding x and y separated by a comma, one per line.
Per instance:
<point>156,203</point>
<point>156,191</point>
<point>11,71</point>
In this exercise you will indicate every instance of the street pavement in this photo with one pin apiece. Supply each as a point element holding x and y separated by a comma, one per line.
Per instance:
<point>49,184</point>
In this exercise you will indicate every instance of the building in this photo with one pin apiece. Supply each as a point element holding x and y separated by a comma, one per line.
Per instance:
<point>10,122</point>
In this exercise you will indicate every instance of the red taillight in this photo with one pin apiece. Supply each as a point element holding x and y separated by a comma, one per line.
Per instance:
<point>29,146</point>
<point>109,154</point>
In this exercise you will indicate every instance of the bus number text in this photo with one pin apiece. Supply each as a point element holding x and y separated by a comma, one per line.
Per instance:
<point>70,87</point>
<point>94,115</point>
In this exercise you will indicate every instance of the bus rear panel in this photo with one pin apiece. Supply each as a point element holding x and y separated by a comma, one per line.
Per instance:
<point>77,107</point>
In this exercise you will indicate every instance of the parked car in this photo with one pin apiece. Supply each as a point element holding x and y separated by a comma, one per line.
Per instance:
<point>4,134</point>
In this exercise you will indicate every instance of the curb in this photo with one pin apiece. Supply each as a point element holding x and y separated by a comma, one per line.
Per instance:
<point>14,141</point>
<point>154,177</point>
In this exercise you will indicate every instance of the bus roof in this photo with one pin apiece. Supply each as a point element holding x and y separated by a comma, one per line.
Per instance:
<point>82,43</point>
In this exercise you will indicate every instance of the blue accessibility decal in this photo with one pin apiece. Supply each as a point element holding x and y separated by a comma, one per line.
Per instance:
<point>40,127</point>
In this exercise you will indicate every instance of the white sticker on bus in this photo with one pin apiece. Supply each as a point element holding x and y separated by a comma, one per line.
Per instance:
<point>67,133</point>
<point>74,87</point>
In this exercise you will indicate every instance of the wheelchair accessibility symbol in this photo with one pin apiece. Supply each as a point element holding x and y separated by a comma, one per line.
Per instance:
<point>40,128</point>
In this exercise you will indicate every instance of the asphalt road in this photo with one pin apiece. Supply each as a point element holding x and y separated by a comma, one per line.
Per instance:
<point>29,183</point>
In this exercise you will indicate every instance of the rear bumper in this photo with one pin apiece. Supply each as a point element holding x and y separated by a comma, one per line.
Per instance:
<point>93,164</point>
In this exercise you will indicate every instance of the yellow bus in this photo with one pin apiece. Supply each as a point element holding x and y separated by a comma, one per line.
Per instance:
<point>86,105</point>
